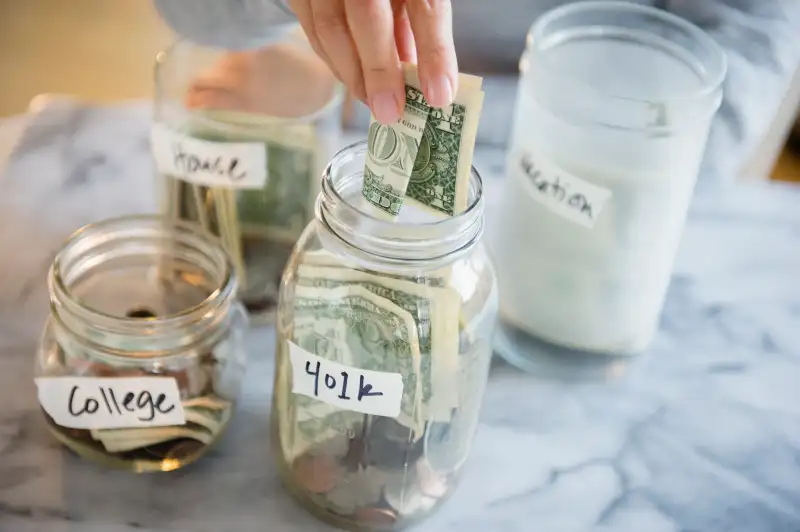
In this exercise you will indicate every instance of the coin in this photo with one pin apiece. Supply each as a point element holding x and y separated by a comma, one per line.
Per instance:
<point>317,474</point>
<point>405,499</point>
<point>375,516</point>
<point>355,453</point>
<point>391,445</point>
<point>337,447</point>
<point>431,483</point>
<point>345,497</point>
<point>184,450</point>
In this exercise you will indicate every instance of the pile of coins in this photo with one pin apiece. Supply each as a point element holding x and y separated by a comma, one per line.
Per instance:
<point>379,478</point>
<point>152,448</point>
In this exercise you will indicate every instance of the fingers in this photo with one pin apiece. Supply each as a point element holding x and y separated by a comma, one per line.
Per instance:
<point>432,24</point>
<point>302,10</point>
<point>406,47</point>
<point>333,32</point>
<point>372,26</point>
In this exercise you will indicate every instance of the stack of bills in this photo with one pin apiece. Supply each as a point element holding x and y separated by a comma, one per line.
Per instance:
<point>384,322</point>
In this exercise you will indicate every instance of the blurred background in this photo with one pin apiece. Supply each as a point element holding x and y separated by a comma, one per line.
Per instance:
<point>103,50</point>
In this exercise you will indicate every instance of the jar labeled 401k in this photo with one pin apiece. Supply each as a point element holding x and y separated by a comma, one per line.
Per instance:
<point>240,140</point>
<point>143,356</point>
<point>383,350</point>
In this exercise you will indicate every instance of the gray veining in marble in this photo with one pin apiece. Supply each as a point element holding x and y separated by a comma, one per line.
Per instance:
<point>704,435</point>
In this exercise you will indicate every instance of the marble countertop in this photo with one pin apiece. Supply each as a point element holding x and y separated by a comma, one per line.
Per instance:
<point>703,435</point>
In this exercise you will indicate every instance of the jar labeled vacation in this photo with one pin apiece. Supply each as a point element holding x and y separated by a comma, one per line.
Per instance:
<point>143,356</point>
<point>383,350</point>
<point>614,107</point>
<point>240,140</point>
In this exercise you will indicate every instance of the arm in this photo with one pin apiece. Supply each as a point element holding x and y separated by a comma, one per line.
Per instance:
<point>234,25</point>
<point>762,41</point>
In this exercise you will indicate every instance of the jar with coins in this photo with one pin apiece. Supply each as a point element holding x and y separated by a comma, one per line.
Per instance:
<point>383,351</point>
<point>142,358</point>
<point>240,139</point>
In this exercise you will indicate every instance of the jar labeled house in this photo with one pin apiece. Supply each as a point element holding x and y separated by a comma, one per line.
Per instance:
<point>240,140</point>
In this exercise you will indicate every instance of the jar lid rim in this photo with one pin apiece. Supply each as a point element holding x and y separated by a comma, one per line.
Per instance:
<point>391,239</point>
<point>539,41</point>
<point>227,287</point>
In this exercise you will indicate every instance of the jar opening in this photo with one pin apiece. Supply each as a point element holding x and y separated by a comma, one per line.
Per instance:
<point>140,275</point>
<point>624,65</point>
<point>415,235</point>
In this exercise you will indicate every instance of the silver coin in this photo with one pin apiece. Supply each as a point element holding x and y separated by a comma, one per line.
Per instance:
<point>334,447</point>
<point>345,497</point>
<point>391,445</point>
<point>431,483</point>
<point>355,490</point>
<point>407,500</point>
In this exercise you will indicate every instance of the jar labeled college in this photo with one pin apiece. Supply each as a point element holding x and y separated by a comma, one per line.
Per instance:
<point>143,356</point>
<point>383,350</point>
<point>614,107</point>
<point>240,140</point>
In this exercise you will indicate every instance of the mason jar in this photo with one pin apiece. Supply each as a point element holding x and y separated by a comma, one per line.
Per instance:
<point>614,107</point>
<point>240,139</point>
<point>142,358</point>
<point>383,350</point>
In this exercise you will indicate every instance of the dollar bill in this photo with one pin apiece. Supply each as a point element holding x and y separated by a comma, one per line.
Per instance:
<point>257,227</point>
<point>391,152</point>
<point>315,421</point>
<point>441,175</point>
<point>377,335</point>
<point>441,156</point>
<point>208,402</point>
<point>435,312</point>
<point>323,257</point>
<point>203,424</point>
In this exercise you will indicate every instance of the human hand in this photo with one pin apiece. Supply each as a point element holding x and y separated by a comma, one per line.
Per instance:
<point>364,42</point>
<point>280,80</point>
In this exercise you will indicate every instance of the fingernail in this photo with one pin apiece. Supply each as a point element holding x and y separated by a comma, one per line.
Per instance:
<point>440,91</point>
<point>385,107</point>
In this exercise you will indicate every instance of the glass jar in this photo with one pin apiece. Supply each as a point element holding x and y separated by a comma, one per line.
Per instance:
<point>383,351</point>
<point>142,358</point>
<point>613,111</point>
<point>240,139</point>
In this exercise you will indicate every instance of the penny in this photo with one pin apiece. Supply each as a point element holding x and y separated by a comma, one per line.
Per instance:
<point>185,449</point>
<point>375,516</point>
<point>140,313</point>
<point>316,474</point>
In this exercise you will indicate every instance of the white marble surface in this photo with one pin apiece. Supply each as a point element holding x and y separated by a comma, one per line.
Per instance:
<point>704,435</point>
